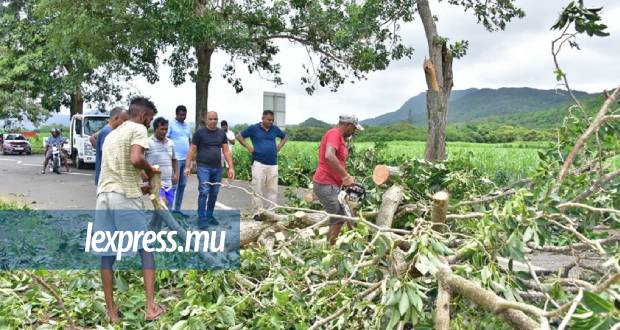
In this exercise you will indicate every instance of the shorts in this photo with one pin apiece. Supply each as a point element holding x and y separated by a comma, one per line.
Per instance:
<point>115,212</point>
<point>328,196</point>
<point>167,195</point>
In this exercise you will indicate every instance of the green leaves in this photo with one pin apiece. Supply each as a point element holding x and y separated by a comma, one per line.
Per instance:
<point>383,244</point>
<point>596,303</point>
<point>403,304</point>
<point>514,246</point>
<point>226,315</point>
<point>584,20</point>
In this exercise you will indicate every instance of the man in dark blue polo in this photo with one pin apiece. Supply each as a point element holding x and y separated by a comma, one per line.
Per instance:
<point>264,157</point>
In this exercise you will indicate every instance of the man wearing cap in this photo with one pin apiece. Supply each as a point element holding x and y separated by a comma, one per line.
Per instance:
<point>264,158</point>
<point>331,172</point>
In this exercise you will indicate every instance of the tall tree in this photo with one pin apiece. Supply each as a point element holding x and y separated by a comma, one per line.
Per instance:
<point>493,14</point>
<point>64,53</point>
<point>343,38</point>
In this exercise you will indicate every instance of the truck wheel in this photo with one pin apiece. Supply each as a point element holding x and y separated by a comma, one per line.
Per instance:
<point>79,164</point>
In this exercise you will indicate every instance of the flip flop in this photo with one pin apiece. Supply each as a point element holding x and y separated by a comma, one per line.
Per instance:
<point>162,311</point>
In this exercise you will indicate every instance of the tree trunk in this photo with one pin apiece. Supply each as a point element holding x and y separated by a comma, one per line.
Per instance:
<point>204,51</point>
<point>77,102</point>
<point>438,71</point>
<point>440,208</point>
<point>391,199</point>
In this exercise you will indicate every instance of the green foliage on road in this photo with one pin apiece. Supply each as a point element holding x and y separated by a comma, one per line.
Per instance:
<point>309,281</point>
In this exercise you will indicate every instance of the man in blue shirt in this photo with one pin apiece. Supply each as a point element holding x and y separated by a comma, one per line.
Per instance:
<point>264,157</point>
<point>59,141</point>
<point>180,133</point>
<point>117,117</point>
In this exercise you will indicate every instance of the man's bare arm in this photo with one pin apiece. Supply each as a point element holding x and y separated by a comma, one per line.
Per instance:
<point>244,143</point>
<point>189,159</point>
<point>93,139</point>
<point>137,159</point>
<point>334,163</point>
<point>229,161</point>
<point>282,142</point>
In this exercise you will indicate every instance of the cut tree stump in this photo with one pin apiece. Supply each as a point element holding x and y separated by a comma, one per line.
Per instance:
<point>382,173</point>
<point>391,199</point>
<point>440,208</point>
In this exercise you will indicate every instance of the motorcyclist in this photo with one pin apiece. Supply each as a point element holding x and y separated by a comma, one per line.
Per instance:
<point>58,140</point>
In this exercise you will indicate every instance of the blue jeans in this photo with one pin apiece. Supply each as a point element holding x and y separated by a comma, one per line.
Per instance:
<point>207,175</point>
<point>179,188</point>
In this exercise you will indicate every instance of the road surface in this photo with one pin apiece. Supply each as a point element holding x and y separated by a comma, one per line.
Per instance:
<point>21,180</point>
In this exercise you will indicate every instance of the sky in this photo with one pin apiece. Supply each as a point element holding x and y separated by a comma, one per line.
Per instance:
<point>519,56</point>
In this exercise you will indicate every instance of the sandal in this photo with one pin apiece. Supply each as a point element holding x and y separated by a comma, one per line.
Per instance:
<point>162,311</point>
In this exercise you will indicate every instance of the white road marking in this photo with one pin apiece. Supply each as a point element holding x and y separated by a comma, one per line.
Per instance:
<point>222,206</point>
<point>19,162</point>
<point>75,173</point>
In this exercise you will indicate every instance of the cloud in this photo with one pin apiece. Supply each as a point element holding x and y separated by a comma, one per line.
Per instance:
<point>518,56</point>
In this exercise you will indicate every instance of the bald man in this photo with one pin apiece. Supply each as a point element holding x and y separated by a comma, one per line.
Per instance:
<point>208,145</point>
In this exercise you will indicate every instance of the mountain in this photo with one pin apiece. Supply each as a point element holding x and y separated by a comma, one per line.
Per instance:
<point>474,105</point>
<point>313,122</point>
<point>56,119</point>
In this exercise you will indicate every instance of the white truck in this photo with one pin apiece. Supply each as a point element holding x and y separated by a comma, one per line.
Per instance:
<point>78,146</point>
<point>82,127</point>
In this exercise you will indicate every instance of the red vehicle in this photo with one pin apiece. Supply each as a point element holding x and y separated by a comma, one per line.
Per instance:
<point>15,143</point>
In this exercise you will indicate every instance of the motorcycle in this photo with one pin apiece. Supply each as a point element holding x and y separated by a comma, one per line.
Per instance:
<point>56,162</point>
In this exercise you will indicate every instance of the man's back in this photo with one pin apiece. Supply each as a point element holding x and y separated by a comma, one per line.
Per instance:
<point>101,136</point>
<point>117,172</point>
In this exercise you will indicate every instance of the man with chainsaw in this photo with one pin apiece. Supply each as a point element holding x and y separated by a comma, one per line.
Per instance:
<point>331,174</point>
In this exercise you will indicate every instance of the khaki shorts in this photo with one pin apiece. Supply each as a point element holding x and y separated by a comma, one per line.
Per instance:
<point>115,212</point>
<point>328,196</point>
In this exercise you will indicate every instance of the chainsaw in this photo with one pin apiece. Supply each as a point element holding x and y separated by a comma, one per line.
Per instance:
<point>350,198</point>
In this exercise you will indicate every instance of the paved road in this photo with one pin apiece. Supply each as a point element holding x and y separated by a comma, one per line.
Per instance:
<point>21,180</point>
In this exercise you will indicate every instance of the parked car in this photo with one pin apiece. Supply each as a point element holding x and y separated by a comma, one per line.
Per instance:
<point>15,143</point>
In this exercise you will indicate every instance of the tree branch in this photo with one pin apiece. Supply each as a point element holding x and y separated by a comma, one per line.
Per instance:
<point>596,186</point>
<point>596,124</point>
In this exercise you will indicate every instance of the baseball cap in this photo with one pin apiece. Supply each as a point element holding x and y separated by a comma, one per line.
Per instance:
<point>351,119</point>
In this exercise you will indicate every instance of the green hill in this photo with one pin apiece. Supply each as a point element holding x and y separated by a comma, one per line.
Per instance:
<point>479,105</point>
<point>313,122</point>
<point>545,118</point>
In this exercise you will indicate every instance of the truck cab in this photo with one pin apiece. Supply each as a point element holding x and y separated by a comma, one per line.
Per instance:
<point>82,127</point>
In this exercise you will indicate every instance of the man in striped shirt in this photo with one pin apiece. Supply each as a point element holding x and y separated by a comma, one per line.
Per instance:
<point>161,152</point>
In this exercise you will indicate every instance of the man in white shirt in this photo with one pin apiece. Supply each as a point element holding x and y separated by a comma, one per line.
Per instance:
<point>161,152</point>
<point>230,136</point>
